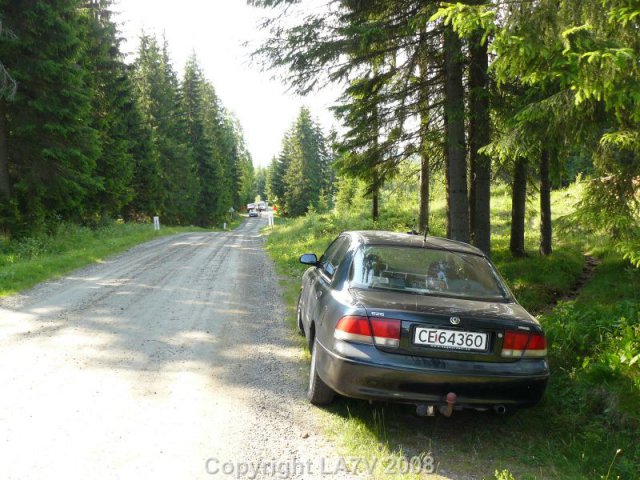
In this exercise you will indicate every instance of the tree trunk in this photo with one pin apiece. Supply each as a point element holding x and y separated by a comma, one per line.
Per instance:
<point>375,210</point>
<point>518,207</point>
<point>455,142</point>
<point>5,183</point>
<point>447,193</point>
<point>425,167</point>
<point>471,184</point>
<point>545,204</point>
<point>479,136</point>
<point>423,218</point>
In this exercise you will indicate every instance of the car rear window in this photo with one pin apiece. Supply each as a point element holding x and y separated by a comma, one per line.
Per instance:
<point>426,271</point>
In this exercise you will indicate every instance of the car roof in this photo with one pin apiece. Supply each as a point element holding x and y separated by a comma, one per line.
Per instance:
<point>379,237</point>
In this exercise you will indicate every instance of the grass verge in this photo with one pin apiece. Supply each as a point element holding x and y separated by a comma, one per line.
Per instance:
<point>587,424</point>
<point>32,260</point>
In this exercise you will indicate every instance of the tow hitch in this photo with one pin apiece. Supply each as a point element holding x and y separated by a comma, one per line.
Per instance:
<point>447,409</point>
<point>423,410</point>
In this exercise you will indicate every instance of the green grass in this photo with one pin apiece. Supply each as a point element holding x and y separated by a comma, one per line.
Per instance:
<point>32,260</point>
<point>592,405</point>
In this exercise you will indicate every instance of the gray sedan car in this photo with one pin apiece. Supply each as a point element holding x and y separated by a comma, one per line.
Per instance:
<point>420,320</point>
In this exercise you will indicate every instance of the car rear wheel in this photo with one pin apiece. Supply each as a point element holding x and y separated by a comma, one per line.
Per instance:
<point>318,393</point>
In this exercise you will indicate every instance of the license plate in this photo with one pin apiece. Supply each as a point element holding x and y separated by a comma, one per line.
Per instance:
<point>450,339</point>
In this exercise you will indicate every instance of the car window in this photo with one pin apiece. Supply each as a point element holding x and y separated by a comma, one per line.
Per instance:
<point>334,255</point>
<point>426,271</point>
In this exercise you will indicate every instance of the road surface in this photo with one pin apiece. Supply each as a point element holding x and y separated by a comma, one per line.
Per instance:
<point>171,360</point>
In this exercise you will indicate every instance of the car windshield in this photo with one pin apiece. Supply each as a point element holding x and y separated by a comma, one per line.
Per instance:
<point>426,271</point>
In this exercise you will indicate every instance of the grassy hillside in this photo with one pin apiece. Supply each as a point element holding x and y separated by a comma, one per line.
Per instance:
<point>592,405</point>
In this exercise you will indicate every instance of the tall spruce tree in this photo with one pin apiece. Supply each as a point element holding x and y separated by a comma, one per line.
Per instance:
<point>146,183</point>
<point>248,181</point>
<point>247,171</point>
<point>279,166</point>
<point>86,137</point>
<point>176,154</point>
<point>107,76</point>
<point>157,88</point>
<point>271,180</point>
<point>457,199</point>
<point>479,133</point>
<point>231,152</point>
<point>261,182</point>
<point>518,207</point>
<point>213,122</point>
<point>392,56</point>
<point>589,52</point>
<point>196,94</point>
<point>7,91</point>
<point>297,176</point>
<point>52,148</point>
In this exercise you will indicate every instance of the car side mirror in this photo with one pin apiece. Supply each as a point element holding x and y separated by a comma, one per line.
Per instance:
<point>309,259</point>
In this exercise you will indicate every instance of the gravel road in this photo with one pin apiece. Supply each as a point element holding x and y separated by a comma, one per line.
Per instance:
<point>171,360</point>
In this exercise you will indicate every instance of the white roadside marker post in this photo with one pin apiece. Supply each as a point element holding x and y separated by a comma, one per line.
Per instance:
<point>156,223</point>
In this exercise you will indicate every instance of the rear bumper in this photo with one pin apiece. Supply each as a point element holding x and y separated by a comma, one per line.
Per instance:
<point>362,371</point>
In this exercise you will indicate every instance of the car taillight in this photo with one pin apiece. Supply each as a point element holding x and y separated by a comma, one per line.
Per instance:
<point>523,344</point>
<point>354,329</point>
<point>386,332</point>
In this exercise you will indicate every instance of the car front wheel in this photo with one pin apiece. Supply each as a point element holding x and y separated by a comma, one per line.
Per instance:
<point>318,393</point>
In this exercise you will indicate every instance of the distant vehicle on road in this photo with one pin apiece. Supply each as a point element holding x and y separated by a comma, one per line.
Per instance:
<point>253,213</point>
<point>262,206</point>
<point>425,321</point>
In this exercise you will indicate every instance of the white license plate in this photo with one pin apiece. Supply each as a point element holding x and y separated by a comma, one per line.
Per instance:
<point>450,339</point>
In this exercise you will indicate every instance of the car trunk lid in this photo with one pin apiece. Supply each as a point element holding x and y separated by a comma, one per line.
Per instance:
<point>445,327</point>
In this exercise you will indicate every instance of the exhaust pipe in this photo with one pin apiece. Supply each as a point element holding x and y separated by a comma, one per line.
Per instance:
<point>423,410</point>
<point>447,409</point>
<point>500,409</point>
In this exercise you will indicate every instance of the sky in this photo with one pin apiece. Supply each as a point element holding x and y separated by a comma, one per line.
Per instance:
<point>216,30</point>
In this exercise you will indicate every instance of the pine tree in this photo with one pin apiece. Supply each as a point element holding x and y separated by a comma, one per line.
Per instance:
<point>249,184</point>
<point>176,154</point>
<point>111,102</point>
<point>52,148</point>
<point>245,183</point>
<point>518,207</point>
<point>271,180</point>
<point>479,136</point>
<point>457,199</point>
<point>279,167</point>
<point>545,204</point>
<point>261,182</point>
<point>157,89</point>
<point>392,56</point>
<point>196,95</point>
<point>7,91</point>
<point>213,118</point>
<point>146,182</point>
<point>304,155</point>
<point>363,153</point>
<point>229,161</point>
